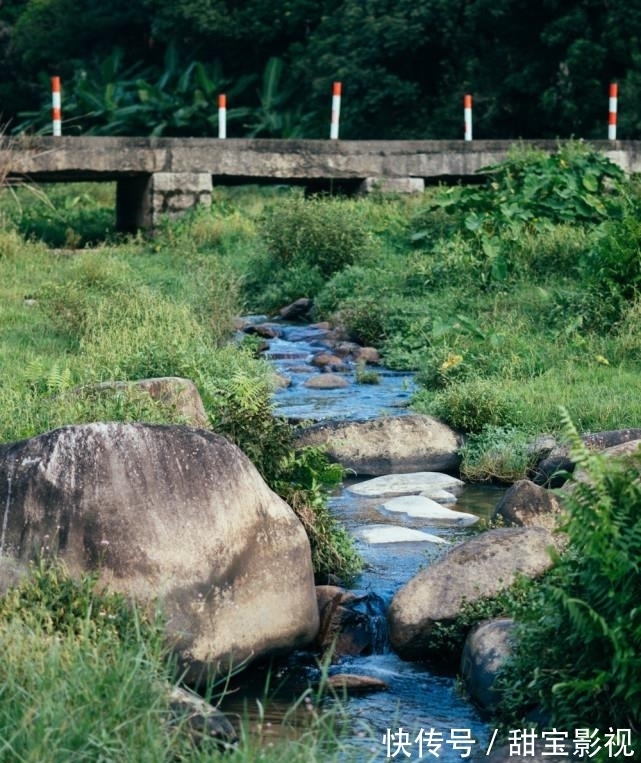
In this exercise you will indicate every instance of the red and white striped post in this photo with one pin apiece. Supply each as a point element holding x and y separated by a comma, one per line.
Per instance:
<point>222,115</point>
<point>612,111</point>
<point>467,117</point>
<point>336,110</point>
<point>55,106</point>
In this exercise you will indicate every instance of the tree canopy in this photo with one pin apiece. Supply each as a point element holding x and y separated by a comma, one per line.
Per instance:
<point>535,70</point>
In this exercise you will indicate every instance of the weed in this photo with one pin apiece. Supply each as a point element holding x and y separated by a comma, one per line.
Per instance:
<point>472,405</point>
<point>364,375</point>
<point>496,454</point>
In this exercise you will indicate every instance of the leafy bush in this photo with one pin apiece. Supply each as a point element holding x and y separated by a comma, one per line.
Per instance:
<point>320,232</point>
<point>72,219</point>
<point>304,481</point>
<point>613,263</point>
<point>446,638</point>
<point>579,644</point>
<point>572,185</point>
<point>107,98</point>
<point>470,405</point>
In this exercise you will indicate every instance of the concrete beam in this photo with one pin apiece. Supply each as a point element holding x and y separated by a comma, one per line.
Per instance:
<point>158,176</point>
<point>92,158</point>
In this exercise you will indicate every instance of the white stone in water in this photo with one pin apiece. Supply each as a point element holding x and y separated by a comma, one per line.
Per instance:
<point>442,496</point>
<point>396,534</point>
<point>412,483</point>
<point>426,508</point>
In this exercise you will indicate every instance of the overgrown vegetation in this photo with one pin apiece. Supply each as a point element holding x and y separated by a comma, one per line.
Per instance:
<point>508,300</point>
<point>577,660</point>
<point>139,310</point>
<point>86,677</point>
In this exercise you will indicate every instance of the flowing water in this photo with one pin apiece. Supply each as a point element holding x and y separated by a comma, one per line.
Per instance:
<point>417,698</point>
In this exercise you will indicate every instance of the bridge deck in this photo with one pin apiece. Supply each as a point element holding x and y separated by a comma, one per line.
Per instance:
<point>96,158</point>
<point>157,176</point>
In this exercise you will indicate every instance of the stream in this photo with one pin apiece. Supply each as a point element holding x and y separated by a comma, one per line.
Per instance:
<point>416,698</point>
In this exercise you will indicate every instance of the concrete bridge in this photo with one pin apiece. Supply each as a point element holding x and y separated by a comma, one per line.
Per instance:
<point>160,176</point>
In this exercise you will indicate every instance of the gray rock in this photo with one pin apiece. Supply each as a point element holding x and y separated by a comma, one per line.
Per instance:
<point>173,515</point>
<point>203,721</point>
<point>486,648</point>
<point>481,567</point>
<point>368,355</point>
<point>525,504</point>
<point>297,309</point>
<point>387,445</point>
<point>622,450</point>
<point>326,381</point>
<point>558,459</point>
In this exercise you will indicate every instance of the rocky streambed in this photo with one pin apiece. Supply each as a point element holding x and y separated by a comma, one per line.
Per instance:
<point>405,509</point>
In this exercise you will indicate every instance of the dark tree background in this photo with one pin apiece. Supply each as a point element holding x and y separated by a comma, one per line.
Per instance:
<point>142,66</point>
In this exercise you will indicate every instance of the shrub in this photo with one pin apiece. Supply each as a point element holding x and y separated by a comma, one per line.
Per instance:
<point>71,218</point>
<point>447,637</point>
<point>304,481</point>
<point>470,405</point>
<point>613,263</point>
<point>320,232</point>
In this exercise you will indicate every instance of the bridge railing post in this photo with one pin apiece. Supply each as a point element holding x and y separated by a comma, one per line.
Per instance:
<point>56,110</point>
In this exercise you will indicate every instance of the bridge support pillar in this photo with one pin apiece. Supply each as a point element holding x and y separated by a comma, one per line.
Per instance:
<point>141,200</point>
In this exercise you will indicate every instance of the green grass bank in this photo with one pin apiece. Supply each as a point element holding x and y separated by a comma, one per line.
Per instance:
<point>511,300</point>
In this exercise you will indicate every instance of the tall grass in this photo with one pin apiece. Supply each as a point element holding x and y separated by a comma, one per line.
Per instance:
<point>85,676</point>
<point>506,312</point>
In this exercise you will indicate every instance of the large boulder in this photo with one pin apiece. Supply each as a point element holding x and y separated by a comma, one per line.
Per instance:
<point>387,445</point>
<point>480,567</point>
<point>173,515</point>
<point>350,621</point>
<point>526,504</point>
<point>556,462</point>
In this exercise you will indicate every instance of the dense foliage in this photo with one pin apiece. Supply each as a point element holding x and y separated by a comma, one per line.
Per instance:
<point>578,655</point>
<point>535,71</point>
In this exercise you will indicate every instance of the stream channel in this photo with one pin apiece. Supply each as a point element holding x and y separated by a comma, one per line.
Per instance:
<point>417,697</point>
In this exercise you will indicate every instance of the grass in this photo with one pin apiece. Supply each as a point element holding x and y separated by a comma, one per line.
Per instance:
<point>85,677</point>
<point>504,321</point>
